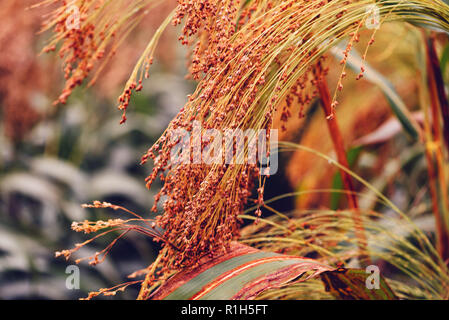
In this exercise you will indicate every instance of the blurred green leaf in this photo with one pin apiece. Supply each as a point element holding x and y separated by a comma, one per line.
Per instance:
<point>444,60</point>
<point>337,182</point>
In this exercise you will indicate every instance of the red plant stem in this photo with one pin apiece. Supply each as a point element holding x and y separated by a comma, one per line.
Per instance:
<point>442,236</point>
<point>434,68</point>
<point>436,174</point>
<point>337,139</point>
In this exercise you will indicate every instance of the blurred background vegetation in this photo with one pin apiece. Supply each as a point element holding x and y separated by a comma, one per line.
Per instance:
<point>55,158</point>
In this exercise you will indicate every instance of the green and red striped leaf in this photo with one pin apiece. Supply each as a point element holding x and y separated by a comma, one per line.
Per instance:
<point>242,273</point>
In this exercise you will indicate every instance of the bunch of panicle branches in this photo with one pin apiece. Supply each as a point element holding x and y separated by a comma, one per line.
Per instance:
<point>252,60</point>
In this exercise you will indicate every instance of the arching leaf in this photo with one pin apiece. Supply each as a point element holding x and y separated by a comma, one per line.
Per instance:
<point>245,272</point>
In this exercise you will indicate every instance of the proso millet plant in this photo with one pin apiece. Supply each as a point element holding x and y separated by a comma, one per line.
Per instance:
<point>252,60</point>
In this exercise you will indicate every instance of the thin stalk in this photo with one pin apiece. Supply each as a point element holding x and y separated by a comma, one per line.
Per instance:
<point>434,66</point>
<point>441,234</point>
<point>435,154</point>
<point>337,140</point>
